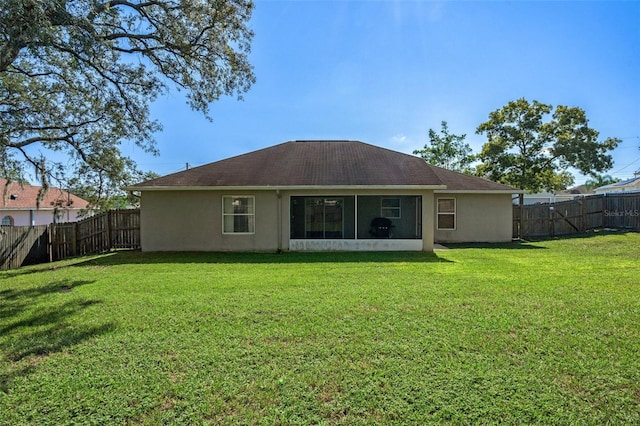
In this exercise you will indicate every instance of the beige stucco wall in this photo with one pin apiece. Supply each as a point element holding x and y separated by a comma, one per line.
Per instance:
<point>479,218</point>
<point>192,221</point>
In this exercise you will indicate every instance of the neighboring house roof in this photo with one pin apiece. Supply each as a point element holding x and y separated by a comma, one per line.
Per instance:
<point>632,184</point>
<point>555,197</point>
<point>578,190</point>
<point>25,197</point>
<point>322,164</point>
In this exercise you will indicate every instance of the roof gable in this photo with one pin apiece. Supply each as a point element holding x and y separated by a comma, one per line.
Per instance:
<point>320,164</point>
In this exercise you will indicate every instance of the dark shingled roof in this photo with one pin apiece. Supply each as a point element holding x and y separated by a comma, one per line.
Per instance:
<point>320,163</point>
<point>578,190</point>
<point>461,182</point>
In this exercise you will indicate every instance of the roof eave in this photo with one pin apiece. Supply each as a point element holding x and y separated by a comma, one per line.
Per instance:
<point>479,191</point>
<point>279,187</point>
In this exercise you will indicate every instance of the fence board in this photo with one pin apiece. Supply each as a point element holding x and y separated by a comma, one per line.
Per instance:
<point>63,240</point>
<point>124,227</point>
<point>23,245</point>
<point>622,212</point>
<point>594,211</point>
<point>617,211</point>
<point>566,218</point>
<point>114,229</point>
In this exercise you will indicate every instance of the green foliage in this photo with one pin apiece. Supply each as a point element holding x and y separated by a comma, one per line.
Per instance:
<point>104,193</point>
<point>77,78</point>
<point>447,150</point>
<point>600,180</point>
<point>530,150</point>
<point>532,333</point>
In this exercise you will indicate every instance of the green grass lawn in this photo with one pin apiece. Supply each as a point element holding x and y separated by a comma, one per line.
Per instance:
<point>545,332</point>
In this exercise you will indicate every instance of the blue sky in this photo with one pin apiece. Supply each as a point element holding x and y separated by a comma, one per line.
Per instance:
<point>385,72</point>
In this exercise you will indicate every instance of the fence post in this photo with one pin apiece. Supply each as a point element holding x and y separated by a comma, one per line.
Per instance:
<point>108,230</point>
<point>605,220</point>
<point>74,239</point>
<point>50,242</point>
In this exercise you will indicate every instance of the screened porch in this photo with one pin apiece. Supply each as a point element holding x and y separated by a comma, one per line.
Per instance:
<point>356,217</point>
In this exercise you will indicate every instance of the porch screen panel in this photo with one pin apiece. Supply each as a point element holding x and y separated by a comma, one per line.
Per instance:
<point>404,211</point>
<point>333,218</point>
<point>314,220</point>
<point>322,217</point>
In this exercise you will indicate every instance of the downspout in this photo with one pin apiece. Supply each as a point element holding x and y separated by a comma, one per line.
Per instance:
<point>279,219</point>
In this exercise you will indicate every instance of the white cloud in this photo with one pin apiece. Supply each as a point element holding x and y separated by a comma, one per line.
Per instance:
<point>398,139</point>
<point>402,143</point>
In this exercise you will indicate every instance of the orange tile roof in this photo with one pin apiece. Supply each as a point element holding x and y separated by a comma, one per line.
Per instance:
<point>17,197</point>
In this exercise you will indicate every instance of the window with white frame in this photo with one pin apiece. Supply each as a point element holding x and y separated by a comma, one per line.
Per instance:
<point>390,208</point>
<point>446,213</point>
<point>238,214</point>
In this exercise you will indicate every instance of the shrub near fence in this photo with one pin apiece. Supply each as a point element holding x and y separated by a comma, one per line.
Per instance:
<point>619,211</point>
<point>114,229</point>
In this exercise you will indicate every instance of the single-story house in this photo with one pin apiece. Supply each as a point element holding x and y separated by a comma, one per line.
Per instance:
<point>321,195</point>
<point>625,186</point>
<point>20,206</point>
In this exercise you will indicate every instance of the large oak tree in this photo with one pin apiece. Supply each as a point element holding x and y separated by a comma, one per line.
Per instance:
<point>531,146</point>
<point>77,78</point>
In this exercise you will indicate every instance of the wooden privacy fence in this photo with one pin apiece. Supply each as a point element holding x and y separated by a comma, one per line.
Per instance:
<point>24,245</point>
<point>619,211</point>
<point>114,229</point>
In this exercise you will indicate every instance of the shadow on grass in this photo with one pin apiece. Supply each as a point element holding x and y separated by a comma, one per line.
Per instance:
<point>33,327</point>
<point>35,269</point>
<point>13,301</point>
<point>46,267</point>
<point>137,257</point>
<point>514,245</point>
<point>34,346</point>
<point>587,235</point>
<point>59,286</point>
<point>49,316</point>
